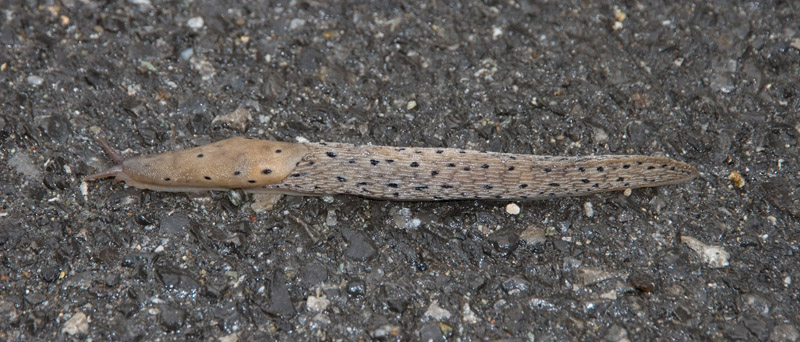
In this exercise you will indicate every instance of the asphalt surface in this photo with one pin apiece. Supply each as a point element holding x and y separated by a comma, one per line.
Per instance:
<point>714,84</point>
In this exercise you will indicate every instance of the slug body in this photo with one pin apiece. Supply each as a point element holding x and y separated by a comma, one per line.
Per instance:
<point>389,173</point>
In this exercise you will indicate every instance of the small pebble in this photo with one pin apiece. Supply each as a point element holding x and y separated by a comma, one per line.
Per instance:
<point>736,179</point>
<point>533,236</point>
<point>512,208</point>
<point>411,105</point>
<point>435,312</point>
<point>714,256</point>
<point>642,282</point>
<point>35,80</point>
<point>296,23</point>
<point>237,119</point>
<point>467,315</point>
<point>77,324</point>
<point>187,53</point>
<point>600,136</point>
<point>195,23</point>
<point>588,210</point>
<point>317,304</point>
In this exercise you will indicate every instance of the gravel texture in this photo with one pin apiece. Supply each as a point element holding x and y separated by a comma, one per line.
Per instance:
<point>714,84</point>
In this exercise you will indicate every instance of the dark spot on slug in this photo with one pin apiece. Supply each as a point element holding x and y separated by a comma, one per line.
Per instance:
<point>554,184</point>
<point>512,157</point>
<point>351,161</point>
<point>626,166</point>
<point>278,151</point>
<point>487,187</point>
<point>585,180</point>
<point>439,151</point>
<point>547,169</point>
<point>664,166</point>
<point>626,184</point>
<point>551,194</point>
<point>236,173</point>
<point>420,188</point>
<point>523,186</point>
<point>462,152</point>
<point>451,165</point>
<point>510,168</point>
<point>390,161</point>
<point>207,178</point>
<point>485,166</point>
<point>434,173</point>
<point>373,162</point>
<point>309,163</point>
<point>331,154</point>
<point>672,168</point>
<point>200,155</point>
<point>296,175</point>
<point>341,179</point>
<point>266,171</point>
<point>362,183</point>
<point>581,169</point>
<point>651,167</point>
<point>414,164</point>
<point>392,185</point>
<point>596,185</point>
<point>438,197</point>
<point>396,194</point>
<point>251,181</point>
<point>620,179</point>
<point>600,169</point>
<point>466,168</point>
<point>400,149</point>
<point>167,179</point>
<point>447,186</point>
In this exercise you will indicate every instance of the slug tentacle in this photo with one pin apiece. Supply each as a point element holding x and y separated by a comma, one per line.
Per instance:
<point>114,171</point>
<point>390,173</point>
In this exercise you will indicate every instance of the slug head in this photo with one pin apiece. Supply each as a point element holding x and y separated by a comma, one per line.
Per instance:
<point>235,163</point>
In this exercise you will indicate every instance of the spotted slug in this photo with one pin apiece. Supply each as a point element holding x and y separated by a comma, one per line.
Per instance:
<point>388,173</point>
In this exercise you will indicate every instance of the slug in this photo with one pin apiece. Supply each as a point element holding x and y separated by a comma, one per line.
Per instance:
<point>387,173</point>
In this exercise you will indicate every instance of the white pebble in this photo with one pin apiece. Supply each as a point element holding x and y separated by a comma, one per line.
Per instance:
<point>195,23</point>
<point>588,210</point>
<point>600,136</point>
<point>35,80</point>
<point>512,208</point>
<point>436,312</point>
<point>714,256</point>
<point>411,105</point>
<point>187,53</point>
<point>77,324</point>
<point>296,23</point>
<point>317,304</point>
<point>497,32</point>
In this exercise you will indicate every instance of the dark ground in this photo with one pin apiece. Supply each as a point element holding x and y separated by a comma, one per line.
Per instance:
<point>715,85</point>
